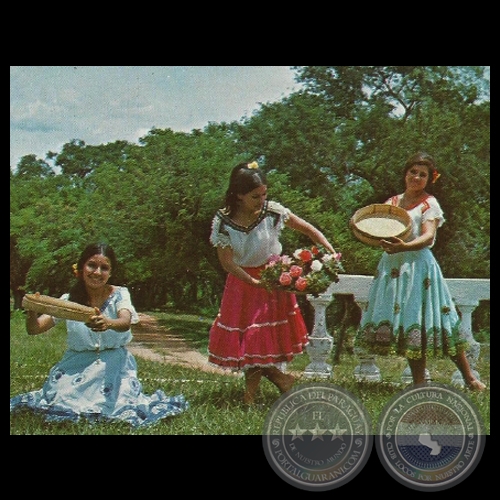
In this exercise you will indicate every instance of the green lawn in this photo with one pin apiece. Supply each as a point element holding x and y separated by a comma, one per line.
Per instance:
<point>215,400</point>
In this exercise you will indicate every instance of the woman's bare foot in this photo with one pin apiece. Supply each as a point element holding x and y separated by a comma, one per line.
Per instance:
<point>282,381</point>
<point>476,385</point>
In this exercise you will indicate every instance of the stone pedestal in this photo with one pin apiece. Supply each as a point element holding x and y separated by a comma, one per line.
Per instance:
<point>466,308</point>
<point>466,295</point>
<point>367,370</point>
<point>320,341</point>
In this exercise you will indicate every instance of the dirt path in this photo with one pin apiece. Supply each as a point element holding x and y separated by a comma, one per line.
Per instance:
<point>156,343</point>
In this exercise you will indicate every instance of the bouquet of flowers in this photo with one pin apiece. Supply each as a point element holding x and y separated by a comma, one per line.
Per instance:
<point>308,270</point>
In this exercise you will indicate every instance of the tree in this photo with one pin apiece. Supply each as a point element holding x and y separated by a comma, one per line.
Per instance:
<point>337,145</point>
<point>29,167</point>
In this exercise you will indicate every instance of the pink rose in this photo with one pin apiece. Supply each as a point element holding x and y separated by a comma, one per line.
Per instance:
<point>273,259</point>
<point>285,279</point>
<point>295,271</point>
<point>301,284</point>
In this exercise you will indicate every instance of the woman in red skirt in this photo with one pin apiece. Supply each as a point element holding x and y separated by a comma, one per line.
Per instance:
<point>256,330</point>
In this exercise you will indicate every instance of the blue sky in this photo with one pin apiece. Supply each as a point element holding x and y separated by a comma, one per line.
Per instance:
<point>52,105</point>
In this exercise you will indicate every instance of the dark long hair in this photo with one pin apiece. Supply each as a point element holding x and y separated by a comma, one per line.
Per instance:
<point>78,292</point>
<point>243,179</point>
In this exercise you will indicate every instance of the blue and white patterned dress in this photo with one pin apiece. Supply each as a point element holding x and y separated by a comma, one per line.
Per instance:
<point>410,310</point>
<point>97,377</point>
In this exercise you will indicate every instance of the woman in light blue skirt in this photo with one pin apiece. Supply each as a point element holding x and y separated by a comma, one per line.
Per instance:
<point>410,311</point>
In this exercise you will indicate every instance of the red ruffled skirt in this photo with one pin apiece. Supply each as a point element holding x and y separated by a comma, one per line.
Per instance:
<point>255,327</point>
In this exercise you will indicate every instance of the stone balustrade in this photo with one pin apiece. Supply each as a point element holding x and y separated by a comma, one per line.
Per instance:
<point>466,292</point>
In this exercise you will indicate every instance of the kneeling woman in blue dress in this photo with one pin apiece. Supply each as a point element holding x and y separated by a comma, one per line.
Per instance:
<point>97,375</point>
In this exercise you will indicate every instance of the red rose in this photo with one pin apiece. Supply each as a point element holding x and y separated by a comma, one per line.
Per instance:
<point>305,255</point>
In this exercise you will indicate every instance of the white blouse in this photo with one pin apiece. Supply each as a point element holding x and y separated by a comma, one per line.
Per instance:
<point>428,209</point>
<point>253,245</point>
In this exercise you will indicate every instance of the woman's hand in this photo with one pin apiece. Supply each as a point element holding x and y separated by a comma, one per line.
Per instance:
<point>98,323</point>
<point>258,283</point>
<point>393,245</point>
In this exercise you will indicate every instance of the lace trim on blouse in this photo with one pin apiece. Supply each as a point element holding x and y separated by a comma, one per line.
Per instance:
<point>219,236</point>
<point>429,208</point>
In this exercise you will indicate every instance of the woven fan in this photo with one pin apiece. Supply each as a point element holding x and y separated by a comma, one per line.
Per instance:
<point>380,221</point>
<point>57,307</point>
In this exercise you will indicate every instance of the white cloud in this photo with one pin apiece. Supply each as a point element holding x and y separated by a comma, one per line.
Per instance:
<point>52,105</point>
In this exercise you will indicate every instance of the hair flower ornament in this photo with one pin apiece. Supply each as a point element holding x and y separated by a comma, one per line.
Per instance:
<point>76,272</point>
<point>435,176</point>
<point>253,165</point>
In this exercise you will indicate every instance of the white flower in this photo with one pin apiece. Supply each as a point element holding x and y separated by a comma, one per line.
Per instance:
<point>316,265</point>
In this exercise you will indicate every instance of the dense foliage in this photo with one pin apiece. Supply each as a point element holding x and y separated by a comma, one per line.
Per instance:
<point>329,149</point>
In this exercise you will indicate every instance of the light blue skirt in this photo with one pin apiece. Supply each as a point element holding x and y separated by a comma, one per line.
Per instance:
<point>410,311</point>
<point>98,387</point>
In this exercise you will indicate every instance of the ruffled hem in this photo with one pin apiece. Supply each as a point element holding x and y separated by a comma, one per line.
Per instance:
<point>380,339</point>
<point>410,311</point>
<point>235,370</point>
<point>250,361</point>
<point>256,327</point>
<point>105,388</point>
<point>159,407</point>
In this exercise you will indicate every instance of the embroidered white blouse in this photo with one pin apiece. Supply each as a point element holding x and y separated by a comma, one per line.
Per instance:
<point>428,209</point>
<point>253,245</point>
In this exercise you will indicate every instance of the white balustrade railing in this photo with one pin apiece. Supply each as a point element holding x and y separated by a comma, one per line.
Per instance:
<point>466,292</point>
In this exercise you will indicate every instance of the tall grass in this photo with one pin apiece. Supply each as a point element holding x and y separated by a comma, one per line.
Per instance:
<point>216,406</point>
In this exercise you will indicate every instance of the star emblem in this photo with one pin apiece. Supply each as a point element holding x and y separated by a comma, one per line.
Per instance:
<point>297,432</point>
<point>337,432</point>
<point>317,433</point>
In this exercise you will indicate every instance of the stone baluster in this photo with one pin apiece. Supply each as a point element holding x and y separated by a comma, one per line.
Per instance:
<point>367,370</point>
<point>320,341</point>
<point>466,307</point>
<point>466,292</point>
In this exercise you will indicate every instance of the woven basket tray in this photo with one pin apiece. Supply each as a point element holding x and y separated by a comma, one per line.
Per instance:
<point>380,221</point>
<point>59,308</point>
